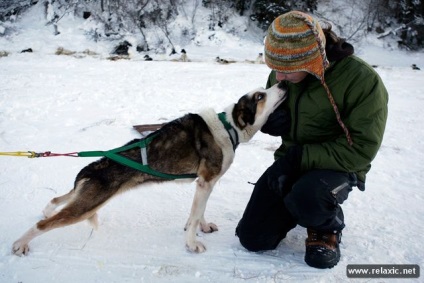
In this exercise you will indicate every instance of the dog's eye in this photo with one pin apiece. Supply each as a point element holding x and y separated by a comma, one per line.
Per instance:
<point>260,96</point>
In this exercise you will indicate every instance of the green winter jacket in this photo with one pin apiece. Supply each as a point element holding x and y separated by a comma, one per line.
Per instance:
<point>361,98</point>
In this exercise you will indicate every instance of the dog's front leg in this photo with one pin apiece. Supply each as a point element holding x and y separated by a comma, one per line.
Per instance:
<point>203,191</point>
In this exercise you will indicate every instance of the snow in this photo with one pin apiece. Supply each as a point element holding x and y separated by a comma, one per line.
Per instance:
<point>65,104</point>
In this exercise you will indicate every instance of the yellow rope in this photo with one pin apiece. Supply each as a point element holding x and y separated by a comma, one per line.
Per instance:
<point>29,154</point>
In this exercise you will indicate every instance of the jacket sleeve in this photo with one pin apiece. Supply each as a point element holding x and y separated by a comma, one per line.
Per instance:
<point>365,115</point>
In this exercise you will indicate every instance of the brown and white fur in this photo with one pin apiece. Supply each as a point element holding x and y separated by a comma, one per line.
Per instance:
<point>193,144</point>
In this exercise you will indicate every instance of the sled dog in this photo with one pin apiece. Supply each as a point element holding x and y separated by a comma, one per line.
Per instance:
<point>202,145</point>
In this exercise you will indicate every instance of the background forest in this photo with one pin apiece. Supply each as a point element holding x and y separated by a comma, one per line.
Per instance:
<point>159,25</point>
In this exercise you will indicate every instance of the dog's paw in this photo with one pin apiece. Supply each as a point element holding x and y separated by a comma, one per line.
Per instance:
<point>20,248</point>
<point>208,227</point>
<point>196,247</point>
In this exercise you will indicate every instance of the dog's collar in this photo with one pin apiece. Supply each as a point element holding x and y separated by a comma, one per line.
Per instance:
<point>230,130</point>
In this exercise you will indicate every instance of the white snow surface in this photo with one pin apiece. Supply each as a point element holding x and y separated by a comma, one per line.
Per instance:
<point>65,104</point>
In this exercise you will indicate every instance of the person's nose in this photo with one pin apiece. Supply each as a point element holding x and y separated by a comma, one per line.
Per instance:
<point>280,76</point>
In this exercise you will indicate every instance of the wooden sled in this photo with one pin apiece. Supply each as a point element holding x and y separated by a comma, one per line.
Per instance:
<point>142,129</point>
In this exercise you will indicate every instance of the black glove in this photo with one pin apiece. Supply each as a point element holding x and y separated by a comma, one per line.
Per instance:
<point>278,123</point>
<point>284,169</point>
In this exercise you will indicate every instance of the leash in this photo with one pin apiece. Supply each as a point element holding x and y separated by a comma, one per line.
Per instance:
<point>142,144</point>
<point>33,154</point>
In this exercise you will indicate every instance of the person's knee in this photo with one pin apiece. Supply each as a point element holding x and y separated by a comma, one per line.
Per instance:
<point>256,241</point>
<point>311,206</point>
<point>305,207</point>
<point>256,244</point>
<point>314,199</point>
<point>249,243</point>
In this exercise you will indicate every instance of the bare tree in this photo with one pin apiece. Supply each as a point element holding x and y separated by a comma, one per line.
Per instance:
<point>162,15</point>
<point>219,12</point>
<point>353,26</point>
<point>133,11</point>
<point>195,5</point>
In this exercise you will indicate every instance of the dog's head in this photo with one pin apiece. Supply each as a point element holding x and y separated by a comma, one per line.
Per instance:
<point>252,110</point>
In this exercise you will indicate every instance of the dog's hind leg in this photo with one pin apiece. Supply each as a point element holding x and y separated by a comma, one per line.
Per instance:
<point>88,198</point>
<point>67,216</point>
<point>20,247</point>
<point>94,221</point>
<point>49,210</point>
<point>196,218</point>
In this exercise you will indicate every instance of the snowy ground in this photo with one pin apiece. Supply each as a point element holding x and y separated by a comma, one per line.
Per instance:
<point>65,104</point>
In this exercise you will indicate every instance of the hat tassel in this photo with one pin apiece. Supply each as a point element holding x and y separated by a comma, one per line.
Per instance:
<point>336,110</point>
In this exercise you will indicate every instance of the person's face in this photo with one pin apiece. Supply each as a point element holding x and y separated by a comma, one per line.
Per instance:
<point>295,77</point>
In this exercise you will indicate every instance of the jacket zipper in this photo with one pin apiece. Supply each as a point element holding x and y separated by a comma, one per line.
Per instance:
<point>301,92</point>
<point>296,116</point>
<point>339,188</point>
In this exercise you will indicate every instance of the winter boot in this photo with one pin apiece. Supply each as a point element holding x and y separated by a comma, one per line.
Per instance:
<point>322,249</point>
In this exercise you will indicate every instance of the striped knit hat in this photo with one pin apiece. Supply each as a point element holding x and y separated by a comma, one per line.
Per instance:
<point>295,42</point>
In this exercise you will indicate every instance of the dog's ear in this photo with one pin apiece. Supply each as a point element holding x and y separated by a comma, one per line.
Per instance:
<point>244,112</point>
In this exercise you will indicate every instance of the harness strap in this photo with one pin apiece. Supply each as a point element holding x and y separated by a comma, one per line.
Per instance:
<point>231,131</point>
<point>143,167</point>
<point>143,143</point>
<point>144,156</point>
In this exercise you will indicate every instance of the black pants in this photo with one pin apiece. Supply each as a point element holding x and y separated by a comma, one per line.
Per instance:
<point>312,201</point>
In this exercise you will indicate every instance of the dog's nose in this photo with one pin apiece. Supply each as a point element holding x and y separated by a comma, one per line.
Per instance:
<point>282,85</point>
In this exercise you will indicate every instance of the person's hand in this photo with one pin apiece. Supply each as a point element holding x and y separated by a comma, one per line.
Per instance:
<point>278,123</point>
<point>284,169</point>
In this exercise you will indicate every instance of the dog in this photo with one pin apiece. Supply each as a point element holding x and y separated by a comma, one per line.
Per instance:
<point>199,144</point>
<point>184,57</point>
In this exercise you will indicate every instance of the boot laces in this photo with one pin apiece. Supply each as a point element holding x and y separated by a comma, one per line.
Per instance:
<point>332,238</point>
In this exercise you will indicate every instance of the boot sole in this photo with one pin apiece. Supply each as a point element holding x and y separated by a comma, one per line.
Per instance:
<point>318,263</point>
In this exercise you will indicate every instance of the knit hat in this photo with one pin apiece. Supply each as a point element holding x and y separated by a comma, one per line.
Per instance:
<point>295,42</point>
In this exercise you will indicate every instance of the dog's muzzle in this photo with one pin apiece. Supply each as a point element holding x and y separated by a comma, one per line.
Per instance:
<point>282,85</point>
